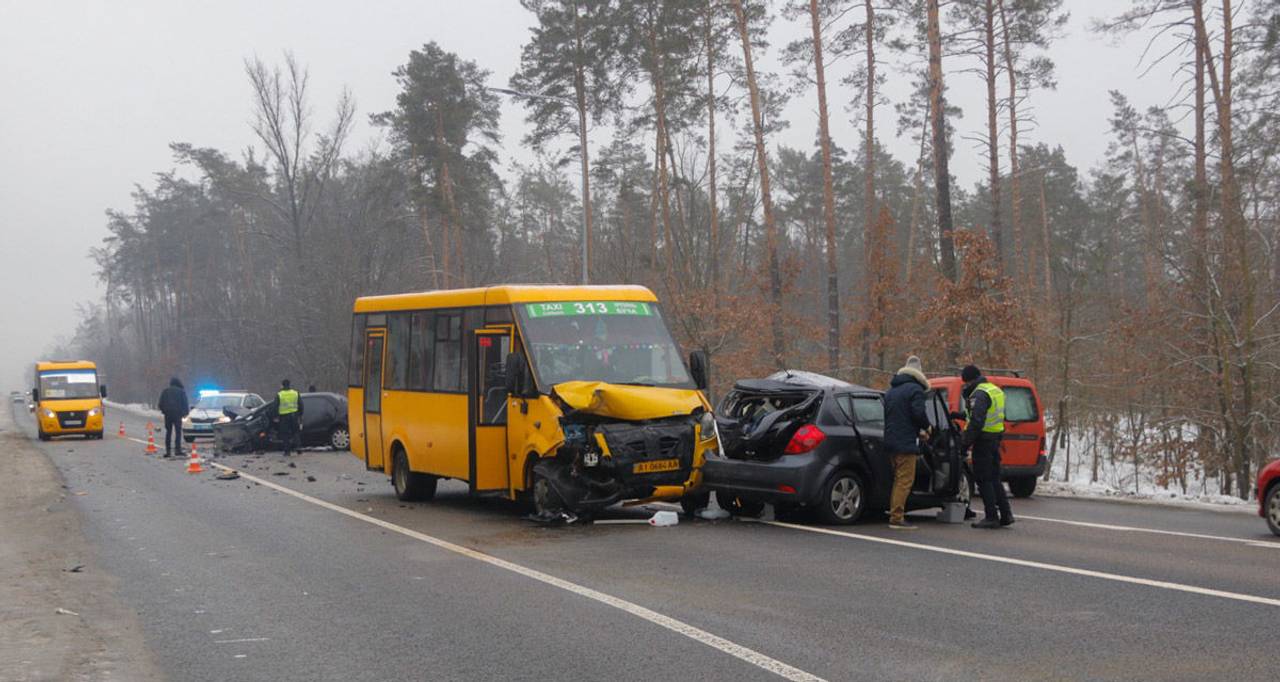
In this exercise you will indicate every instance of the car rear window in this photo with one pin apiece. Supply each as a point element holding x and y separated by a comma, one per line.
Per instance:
<point>1019,404</point>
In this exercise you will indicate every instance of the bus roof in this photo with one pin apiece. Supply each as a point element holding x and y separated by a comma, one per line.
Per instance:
<point>47,365</point>
<point>502,295</point>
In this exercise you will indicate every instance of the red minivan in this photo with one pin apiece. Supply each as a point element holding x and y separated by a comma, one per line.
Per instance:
<point>1022,457</point>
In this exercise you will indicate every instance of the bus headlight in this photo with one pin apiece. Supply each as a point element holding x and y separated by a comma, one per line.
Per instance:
<point>95,411</point>
<point>47,413</point>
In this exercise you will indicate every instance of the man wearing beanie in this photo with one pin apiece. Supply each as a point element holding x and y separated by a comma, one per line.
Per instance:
<point>984,410</point>
<point>904,418</point>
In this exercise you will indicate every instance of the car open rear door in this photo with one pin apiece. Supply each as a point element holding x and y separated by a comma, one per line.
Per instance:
<point>943,451</point>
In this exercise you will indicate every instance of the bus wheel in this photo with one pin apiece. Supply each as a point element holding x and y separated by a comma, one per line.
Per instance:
<point>410,486</point>
<point>43,435</point>
<point>546,501</point>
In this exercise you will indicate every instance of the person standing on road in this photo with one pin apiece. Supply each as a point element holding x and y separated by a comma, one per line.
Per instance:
<point>289,409</point>
<point>174,406</point>
<point>905,418</point>
<point>984,428</point>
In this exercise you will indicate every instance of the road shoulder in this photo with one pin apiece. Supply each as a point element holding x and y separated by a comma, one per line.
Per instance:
<point>41,542</point>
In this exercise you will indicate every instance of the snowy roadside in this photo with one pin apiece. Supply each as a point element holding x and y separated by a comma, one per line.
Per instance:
<point>1167,498</point>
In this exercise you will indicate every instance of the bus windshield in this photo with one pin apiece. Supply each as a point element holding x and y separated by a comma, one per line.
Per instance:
<point>618,342</point>
<point>68,384</point>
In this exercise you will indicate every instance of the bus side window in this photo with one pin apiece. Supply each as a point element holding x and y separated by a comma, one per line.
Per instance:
<point>355,366</point>
<point>397,370</point>
<point>421,346</point>
<point>448,352</point>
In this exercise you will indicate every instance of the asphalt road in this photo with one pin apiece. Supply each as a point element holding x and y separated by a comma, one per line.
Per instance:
<point>331,578</point>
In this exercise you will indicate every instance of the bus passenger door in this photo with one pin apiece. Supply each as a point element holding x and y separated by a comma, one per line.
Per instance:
<point>488,410</point>
<point>373,450</point>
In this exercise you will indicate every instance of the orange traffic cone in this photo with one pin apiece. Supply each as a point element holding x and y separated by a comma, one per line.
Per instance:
<point>150,427</point>
<point>151,444</point>
<point>193,464</point>
<point>121,433</point>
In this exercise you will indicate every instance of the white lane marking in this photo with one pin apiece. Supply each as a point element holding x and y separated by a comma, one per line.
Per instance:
<point>241,641</point>
<point>1177,587</point>
<point>680,627</point>
<point>1154,531</point>
<point>1266,543</point>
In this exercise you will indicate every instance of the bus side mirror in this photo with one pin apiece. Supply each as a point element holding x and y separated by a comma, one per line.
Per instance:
<point>698,365</point>
<point>519,376</point>
<point>102,390</point>
<point>35,395</point>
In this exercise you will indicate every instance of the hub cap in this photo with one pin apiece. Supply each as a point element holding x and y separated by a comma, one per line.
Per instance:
<point>846,496</point>
<point>341,439</point>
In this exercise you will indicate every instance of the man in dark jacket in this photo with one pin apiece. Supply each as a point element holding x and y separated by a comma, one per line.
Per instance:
<point>904,418</point>
<point>173,405</point>
<point>984,428</point>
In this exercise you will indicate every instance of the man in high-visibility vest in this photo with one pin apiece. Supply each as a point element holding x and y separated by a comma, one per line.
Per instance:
<point>289,409</point>
<point>984,427</point>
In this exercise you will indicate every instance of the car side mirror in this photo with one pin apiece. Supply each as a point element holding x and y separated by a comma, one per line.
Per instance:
<point>102,390</point>
<point>35,395</point>
<point>519,376</point>
<point>698,369</point>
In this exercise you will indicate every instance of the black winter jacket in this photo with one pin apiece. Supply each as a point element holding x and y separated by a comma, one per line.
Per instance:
<point>173,401</point>
<point>904,415</point>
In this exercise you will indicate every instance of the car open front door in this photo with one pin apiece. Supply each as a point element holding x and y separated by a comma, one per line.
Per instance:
<point>944,448</point>
<point>487,412</point>
<point>375,341</point>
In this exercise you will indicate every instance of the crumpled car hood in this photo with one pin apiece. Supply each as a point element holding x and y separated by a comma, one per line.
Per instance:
<point>630,403</point>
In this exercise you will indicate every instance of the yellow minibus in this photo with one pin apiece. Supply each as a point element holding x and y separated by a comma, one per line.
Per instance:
<point>571,398</point>
<point>68,399</point>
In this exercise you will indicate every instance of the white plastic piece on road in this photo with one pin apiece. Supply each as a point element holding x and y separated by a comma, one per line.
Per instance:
<point>712,514</point>
<point>663,519</point>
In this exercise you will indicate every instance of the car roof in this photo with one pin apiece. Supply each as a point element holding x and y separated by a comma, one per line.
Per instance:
<point>792,379</point>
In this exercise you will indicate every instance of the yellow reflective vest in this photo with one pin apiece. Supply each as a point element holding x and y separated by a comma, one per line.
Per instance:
<point>289,401</point>
<point>995,413</point>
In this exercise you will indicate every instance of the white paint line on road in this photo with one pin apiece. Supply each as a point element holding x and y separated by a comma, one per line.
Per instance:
<point>680,627</point>
<point>1177,587</point>
<point>241,641</point>
<point>1154,531</point>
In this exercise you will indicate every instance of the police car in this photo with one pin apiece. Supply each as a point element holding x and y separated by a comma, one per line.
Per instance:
<point>212,408</point>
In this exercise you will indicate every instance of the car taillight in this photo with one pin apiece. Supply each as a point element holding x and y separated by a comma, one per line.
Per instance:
<point>1042,446</point>
<point>805,439</point>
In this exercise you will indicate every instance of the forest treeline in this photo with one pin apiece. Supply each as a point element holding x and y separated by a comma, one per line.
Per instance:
<point>1140,294</point>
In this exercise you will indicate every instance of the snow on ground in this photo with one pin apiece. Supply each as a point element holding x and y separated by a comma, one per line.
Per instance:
<point>1118,480</point>
<point>134,408</point>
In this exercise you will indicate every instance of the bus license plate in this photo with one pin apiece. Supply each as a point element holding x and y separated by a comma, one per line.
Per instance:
<point>655,466</point>
<point>73,422</point>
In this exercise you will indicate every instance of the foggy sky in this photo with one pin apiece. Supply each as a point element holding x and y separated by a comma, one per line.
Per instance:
<point>92,93</point>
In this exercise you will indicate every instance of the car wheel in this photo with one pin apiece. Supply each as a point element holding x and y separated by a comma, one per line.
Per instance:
<point>42,435</point>
<point>1023,486</point>
<point>843,499</point>
<point>189,439</point>
<point>1273,509</point>
<point>737,505</point>
<point>410,486</point>
<point>340,438</point>
<point>694,501</point>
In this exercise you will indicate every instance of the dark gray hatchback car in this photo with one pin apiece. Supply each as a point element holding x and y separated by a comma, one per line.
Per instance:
<point>803,440</point>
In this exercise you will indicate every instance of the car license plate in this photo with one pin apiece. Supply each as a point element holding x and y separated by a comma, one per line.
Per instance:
<point>655,466</point>
<point>74,422</point>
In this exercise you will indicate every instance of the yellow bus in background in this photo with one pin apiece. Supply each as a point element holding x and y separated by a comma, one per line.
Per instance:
<point>570,397</point>
<point>68,399</point>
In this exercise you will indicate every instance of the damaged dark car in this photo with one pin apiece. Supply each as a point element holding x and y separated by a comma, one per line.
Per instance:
<point>803,441</point>
<point>324,423</point>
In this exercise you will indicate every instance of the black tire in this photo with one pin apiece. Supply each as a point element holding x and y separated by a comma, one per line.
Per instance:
<point>189,439</point>
<point>546,501</point>
<point>843,499</point>
<point>409,485</point>
<point>692,502</point>
<point>340,437</point>
<point>1273,508</point>
<point>737,505</point>
<point>43,436</point>
<point>1023,486</point>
